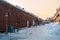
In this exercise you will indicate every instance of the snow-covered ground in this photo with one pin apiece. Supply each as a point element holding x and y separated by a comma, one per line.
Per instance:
<point>43,32</point>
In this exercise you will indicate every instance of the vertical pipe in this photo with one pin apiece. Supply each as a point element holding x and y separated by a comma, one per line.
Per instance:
<point>6,23</point>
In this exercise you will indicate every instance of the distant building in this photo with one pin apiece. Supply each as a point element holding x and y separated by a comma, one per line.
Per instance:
<point>15,16</point>
<point>56,17</point>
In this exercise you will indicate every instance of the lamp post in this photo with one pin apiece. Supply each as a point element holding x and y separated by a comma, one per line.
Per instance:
<point>6,22</point>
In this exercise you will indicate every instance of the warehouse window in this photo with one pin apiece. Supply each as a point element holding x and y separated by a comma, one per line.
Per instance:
<point>3,6</point>
<point>13,9</point>
<point>57,15</point>
<point>0,14</point>
<point>9,12</point>
<point>17,15</point>
<point>18,22</point>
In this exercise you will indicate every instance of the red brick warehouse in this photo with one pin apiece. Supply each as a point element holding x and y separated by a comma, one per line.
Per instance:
<point>15,16</point>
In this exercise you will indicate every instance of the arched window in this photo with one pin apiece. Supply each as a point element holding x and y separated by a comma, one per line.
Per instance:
<point>27,23</point>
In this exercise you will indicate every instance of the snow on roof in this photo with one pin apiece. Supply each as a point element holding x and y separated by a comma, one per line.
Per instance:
<point>20,8</point>
<point>23,9</point>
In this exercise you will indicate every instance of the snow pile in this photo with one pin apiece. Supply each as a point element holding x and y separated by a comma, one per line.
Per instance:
<point>54,29</point>
<point>44,32</point>
<point>5,37</point>
<point>22,34</point>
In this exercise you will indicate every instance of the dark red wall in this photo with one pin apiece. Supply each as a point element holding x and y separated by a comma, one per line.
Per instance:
<point>16,17</point>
